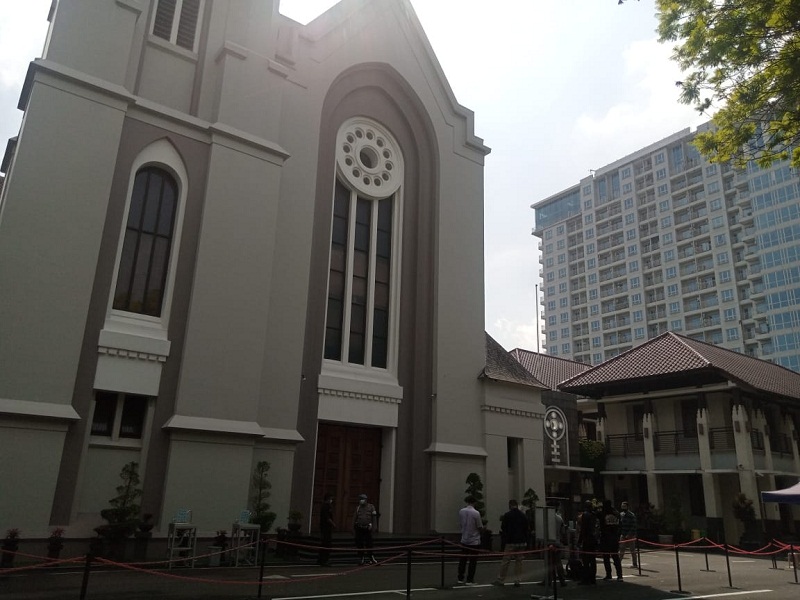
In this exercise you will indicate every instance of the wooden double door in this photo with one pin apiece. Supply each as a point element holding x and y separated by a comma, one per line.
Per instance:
<point>348,463</point>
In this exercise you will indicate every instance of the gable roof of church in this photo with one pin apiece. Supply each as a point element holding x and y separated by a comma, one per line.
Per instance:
<point>671,360</point>
<point>550,370</point>
<point>501,366</point>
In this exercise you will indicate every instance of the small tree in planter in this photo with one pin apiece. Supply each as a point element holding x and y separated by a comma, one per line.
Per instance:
<point>10,547</point>
<point>295,521</point>
<point>475,489</point>
<point>261,491</point>
<point>55,543</point>
<point>122,519</point>
<point>744,510</point>
<point>142,537</point>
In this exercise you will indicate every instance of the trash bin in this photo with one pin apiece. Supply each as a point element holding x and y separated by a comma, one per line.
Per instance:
<point>696,534</point>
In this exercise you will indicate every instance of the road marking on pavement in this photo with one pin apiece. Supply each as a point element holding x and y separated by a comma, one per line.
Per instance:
<point>723,595</point>
<point>355,594</point>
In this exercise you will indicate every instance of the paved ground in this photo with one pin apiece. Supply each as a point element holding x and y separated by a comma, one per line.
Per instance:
<point>752,578</point>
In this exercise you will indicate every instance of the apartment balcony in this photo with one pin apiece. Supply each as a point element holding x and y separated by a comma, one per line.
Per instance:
<point>629,444</point>
<point>675,442</point>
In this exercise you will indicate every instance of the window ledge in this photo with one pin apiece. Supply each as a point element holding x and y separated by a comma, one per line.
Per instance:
<point>105,442</point>
<point>163,44</point>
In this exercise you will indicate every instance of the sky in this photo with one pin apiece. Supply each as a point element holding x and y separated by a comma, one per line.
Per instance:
<point>558,88</point>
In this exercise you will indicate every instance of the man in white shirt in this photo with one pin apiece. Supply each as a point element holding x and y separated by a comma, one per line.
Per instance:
<point>471,526</point>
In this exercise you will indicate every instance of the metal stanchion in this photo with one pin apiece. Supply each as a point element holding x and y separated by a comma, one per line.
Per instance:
<point>728,564</point>
<point>678,567</point>
<point>794,560</point>
<point>441,552</point>
<point>706,553</point>
<point>638,549</point>
<point>262,541</point>
<point>86,569</point>
<point>408,573</point>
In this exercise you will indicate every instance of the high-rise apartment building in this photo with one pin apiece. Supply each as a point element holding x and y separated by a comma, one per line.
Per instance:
<point>663,240</point>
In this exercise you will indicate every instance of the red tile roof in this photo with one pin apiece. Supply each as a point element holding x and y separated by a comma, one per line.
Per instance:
<point>501,366</point>
<point>673,357</point>
<point>550,370</point>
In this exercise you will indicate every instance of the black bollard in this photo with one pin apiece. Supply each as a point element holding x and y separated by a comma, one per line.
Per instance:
<point>262,542</point>
<point>86,569</point>
<point>728,564</point>
<point>638,549</point>
<point>678,566</point>
<point>794,560</point>
<point>408,573</point>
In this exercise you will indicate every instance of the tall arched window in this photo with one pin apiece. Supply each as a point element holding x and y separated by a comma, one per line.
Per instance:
<point>364,259</point>
<point>144,261</point>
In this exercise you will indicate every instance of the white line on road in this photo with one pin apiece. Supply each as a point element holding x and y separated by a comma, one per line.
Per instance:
<point>723,595</point>
<point>355,594</point>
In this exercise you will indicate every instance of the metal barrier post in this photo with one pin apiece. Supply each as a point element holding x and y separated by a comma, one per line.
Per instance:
<point>706,553</point>
<point>638,549</point>
<point>551,555</point>
<point>441,552</point>
<point>86,569</point>
<point>408,573</point>
<point>728,564</point>
<point>793,554</point>
<point>263,542</point>
<point>678,566</point>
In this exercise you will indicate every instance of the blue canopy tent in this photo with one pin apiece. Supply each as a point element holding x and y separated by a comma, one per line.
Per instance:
<point>790,495</point>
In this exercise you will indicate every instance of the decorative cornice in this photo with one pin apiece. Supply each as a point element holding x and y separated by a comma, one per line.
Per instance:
<point>358,396</point>
<point>132,354</point>
<point>512,411</point>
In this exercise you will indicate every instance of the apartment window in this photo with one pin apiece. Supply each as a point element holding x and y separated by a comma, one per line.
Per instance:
<point>663,206</point>
<point>724,276</point>
<point>594,310</point>
<point>592,278</point>
<point>628,203</point>
<point>633,266</point>
<point>176,21</point>
<point>587,219</point>
<point>666,222</point>
<point>666,238</point>
<point>590,248</point>
<point>565,348</point>
<point>587,190</point>
<point>362,277</point>
<point>551,290</point>
<point>626,172</point>
<point>551,276</point>
<point>632,250</point>
<point>630,218</point>
<point>549,262</point>
<point>597,358</point>
<point>636,298</point>
<point>565,333</point>
<point>661,174</point>
<point>663,189</point>
<point>560,230</point>
<point>676,325</point>
<point>635,282</point>
<point>562,288</point>
<point>638,332</point>
<point>630,234</point>
<point>548,249</point>
<point>671,272</point>
<point>711,170</point>
<point>720,240</point>
<point>730,314</point>
<point>553,320</point>
<point>587,204</point>
<point>732,334</point>
<point>596,326</point>
<point>560,244</point>
<point>715,204</point>
<point>551,305</point>
<point>716,222</point>
<point>674,307</point>
<point>659,158</point>
<point>562,273</point>
<point>672,289</point>
<point>591,263</point>
<point>548,235</point>
<point>562,258</point>
<point>712,187</point>
<point>597,342</point>
<point>722,258</point>
<point>592,294</point>
<point>554,350</point>
<point>564,302</point>
<point>553,336</point>
<point>638,315</point>
<point>727,295</point>
<point>669,255</point>
<point>590,233</point>
<point>565,317</point>
<point>145,258</point>
<point>119,416</point>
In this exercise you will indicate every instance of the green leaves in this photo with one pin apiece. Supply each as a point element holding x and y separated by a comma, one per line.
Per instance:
<point>742,57</point>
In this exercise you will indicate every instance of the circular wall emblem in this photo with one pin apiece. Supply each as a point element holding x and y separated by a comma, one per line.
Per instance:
<point>369,158</point>
<point>555,423</point>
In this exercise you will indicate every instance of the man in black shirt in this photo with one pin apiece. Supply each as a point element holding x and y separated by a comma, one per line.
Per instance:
<point>515,530</point>
<point>326,527</point>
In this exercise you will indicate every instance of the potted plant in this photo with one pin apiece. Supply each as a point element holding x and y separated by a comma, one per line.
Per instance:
<point>122,518</point>
<point>475,489</point>
<point>55,543</point>
<point>218,547</point>
<point>295,521</point>
<point>745,512</point>
<point>142,537</point>
<point>261,485</point>
<point>673,520</point>
<point>10,547</point>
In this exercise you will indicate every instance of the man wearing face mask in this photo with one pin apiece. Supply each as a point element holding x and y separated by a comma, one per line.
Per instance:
<point>363,524</point>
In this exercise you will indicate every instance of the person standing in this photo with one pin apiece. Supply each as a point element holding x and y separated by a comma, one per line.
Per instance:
<point>326,527</point>
<point>469,520</point>
<point>515,531</point>
<point>363,525</point>
<point>609,540</point>
<point>587,542</point>
<point>627,533</point>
